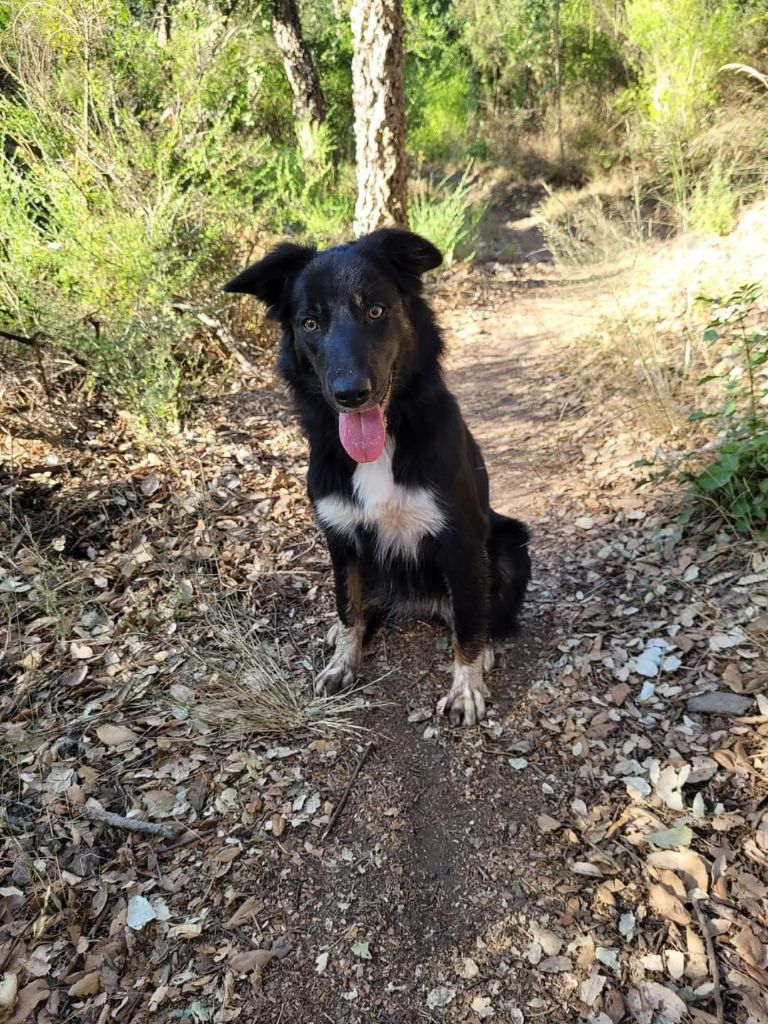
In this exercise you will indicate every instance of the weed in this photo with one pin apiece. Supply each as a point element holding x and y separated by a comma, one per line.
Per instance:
<point>448,216</point>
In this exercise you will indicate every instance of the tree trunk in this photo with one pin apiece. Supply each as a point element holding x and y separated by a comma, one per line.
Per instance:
<point>558,83</point>
<point>377,81</point>
<point>308,100</point>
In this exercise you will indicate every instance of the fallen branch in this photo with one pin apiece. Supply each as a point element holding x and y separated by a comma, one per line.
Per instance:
<point>222,332</point>
<point>347,790</point>
<point>714,968</point>
<point>151,828</point>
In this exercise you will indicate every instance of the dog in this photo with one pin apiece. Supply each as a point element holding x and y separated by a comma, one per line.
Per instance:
<point>397,481</point>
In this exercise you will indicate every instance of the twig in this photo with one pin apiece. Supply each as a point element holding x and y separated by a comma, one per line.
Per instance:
<point>151,828</point>
<point>714,968</point>
<point>347,790</point>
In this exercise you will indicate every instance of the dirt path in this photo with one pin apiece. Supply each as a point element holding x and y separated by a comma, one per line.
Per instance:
<point>455,864</point>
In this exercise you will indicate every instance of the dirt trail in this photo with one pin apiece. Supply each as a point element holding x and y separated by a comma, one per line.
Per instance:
<point>461,863</point>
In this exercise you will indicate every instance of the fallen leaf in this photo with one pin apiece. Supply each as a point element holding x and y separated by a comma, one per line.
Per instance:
<point>440,996</point>
<point>667,905</point>
<point>675,963</point>
<point>667,838</point>
<point>720,703</point>
<point>115,735</point>
<point>27,999</point>
<point>467,969</point>
<point>690,864</point>
<point>648,997</point>
<point>185,930</point>
<point>9,986</point>
<point>245,913</point>
<point>362,950</point>
<point>547,823</point>
<point>88,985</point>
<point>590,989</point>
<point>749,947</point>
<point>321,962</point>
<point>244,963</point>
<point>555,964</point>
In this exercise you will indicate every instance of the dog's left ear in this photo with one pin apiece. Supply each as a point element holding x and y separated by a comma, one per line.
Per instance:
<point>401,250</point>
<point>270,279</point>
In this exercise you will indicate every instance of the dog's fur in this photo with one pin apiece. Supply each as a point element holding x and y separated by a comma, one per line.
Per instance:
<point>412,531</point>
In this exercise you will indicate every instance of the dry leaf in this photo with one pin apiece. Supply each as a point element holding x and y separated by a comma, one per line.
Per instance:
<point>9,986</point>
<point>749,947</point>
<point>688,863</point>
<point>667,905</point>
<point>547,823</point>
<point>555,964</point>
<point>28,998</point>
<point>244,963</point>
<point>88,985</point>
<point>115,735</point>
<point>649,998</point>
<point>245,913</point>
<point>185,930</point>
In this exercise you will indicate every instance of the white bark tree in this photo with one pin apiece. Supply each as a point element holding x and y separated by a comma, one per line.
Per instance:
<point>377,78</point>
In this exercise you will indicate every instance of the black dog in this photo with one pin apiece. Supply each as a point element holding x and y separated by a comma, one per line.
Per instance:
<point>396,479</point>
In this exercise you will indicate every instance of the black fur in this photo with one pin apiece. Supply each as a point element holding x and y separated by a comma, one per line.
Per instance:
<point>479,563</point>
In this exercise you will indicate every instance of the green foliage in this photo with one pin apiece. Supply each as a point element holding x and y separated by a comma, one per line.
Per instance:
<point>448,216</point>
<point>736,480</point>
<point>134,163</point>
<point>714,201</point>
<point>678,47</point>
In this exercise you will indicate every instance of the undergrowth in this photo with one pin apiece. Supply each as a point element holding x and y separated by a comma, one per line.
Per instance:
<point>728,472</point>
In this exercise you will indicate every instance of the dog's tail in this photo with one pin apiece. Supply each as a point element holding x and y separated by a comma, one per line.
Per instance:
<point>510,567</point>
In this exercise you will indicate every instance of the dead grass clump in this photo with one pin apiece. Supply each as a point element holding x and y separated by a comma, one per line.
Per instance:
<point>242,690</point>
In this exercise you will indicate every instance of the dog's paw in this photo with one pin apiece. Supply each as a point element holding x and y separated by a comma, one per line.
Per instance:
<point>341,670</point>
<point>489,658</point>
<point>338,674</point>
<point>463,707</point>
<point>464,704</point>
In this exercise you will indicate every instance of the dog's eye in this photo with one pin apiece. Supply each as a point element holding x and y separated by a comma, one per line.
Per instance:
<point>310,324</point>
<point>375,312</point>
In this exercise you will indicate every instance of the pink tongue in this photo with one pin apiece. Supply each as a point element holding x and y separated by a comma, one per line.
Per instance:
<point>362,434</point>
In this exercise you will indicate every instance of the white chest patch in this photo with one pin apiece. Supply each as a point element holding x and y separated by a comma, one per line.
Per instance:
<point>400,516</point>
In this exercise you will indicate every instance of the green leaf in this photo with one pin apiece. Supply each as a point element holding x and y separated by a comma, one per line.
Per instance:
<point>668,838</point>
<point>711,335</point>
<point>713,478</point>
<point>696,416</point>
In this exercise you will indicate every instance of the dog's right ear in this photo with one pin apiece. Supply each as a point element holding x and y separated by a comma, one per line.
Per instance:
<point>270,279</point>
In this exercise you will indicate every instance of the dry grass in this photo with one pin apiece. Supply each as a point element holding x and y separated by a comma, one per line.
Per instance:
<point>242,690</point>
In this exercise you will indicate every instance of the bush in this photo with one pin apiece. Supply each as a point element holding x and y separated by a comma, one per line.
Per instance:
<point>729,472</point>
<point>121,184</point>
<point>448,216</point>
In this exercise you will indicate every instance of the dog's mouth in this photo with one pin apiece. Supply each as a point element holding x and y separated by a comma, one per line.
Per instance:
<point>363,432</point>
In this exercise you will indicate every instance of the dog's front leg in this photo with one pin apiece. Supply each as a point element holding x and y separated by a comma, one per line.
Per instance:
<point>467,576</point>
<point>346,634</point>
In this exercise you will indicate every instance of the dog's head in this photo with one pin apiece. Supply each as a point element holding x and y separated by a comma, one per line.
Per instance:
<point>344,312</point>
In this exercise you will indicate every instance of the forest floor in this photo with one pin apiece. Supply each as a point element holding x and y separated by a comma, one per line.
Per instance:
<point>596,851</point>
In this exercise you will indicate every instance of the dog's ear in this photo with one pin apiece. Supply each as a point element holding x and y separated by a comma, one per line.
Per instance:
<point>270,279</point>
<point>404,252</point>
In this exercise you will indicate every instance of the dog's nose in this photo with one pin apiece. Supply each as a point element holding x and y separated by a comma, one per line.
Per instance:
<point>352,392</point>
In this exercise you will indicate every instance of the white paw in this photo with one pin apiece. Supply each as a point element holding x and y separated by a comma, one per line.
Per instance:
<point>341,670</point>
<point>489,658</point>
<point>464,704</point>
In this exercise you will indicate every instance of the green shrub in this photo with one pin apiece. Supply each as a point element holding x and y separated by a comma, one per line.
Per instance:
<point>448,216</point>
<point>735,481</point>
<point>714,202</point>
